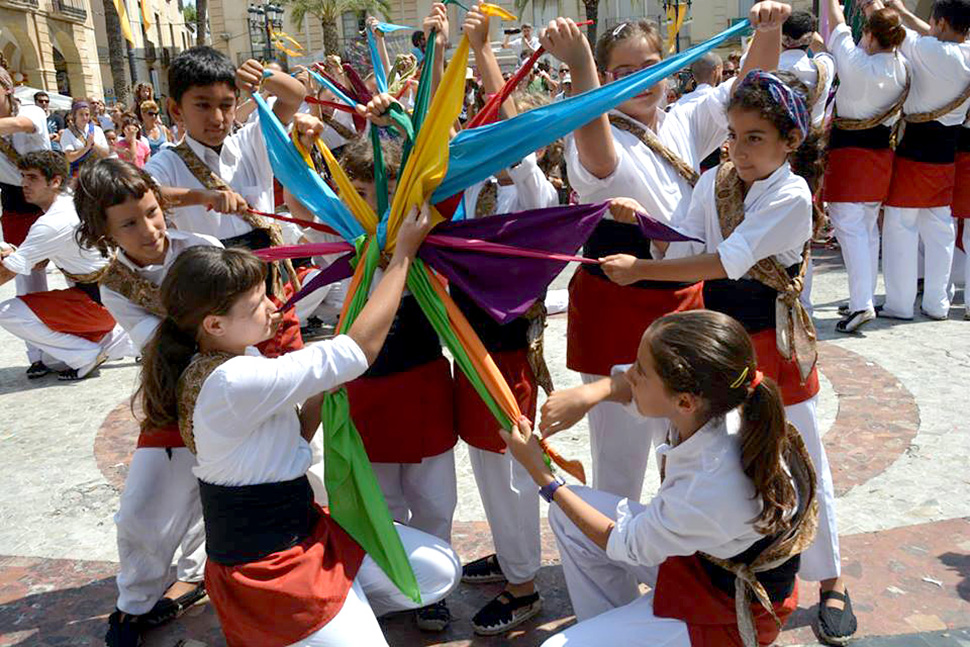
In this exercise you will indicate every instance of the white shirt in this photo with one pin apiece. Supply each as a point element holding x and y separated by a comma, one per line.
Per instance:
<point>530,189</point>
<point>246,426</point>
<point>70,142</point>
<point>243,164</point>
<point>51,237</point>
<point>801,65</point>
<point>705,503</point>
<point>777,222</point>
<point>330,136</point>
<point>106,122</point>
<point>941,72</point>
<point>520,43</point>
<point>36,140</point>
<point>692,130</point>
<point>699,93</point>
<point>869,84</point>
<point>140,324</point>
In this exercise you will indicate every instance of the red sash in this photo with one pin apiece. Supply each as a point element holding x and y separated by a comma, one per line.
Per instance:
<point>961,188</point>
<point>857,175</point>
<point>16,225</point>
<point>71,311</point>
<point>476,424</point>
<point>606,320</point>
<point>783,371</point>
<point>286,596</point>
<point>163,437</point>
<point>684,591</point>
<point>405,417</point>
<point>287,337</point>
<point>920,184</point>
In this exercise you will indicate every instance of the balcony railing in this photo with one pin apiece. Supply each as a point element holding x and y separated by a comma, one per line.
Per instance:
<point>19,4</point>
<point>70,8</point>
<point>150,54</point>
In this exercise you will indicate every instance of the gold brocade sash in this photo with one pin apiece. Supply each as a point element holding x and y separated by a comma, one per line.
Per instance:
<point>347,133</point>
<point>932,115</point>
<point>143,293</point>
<point>10,152</point>
<point>90,277</point>
<point>795,332</point>
<point>844,123</point>
<point>651,141</point>
<point>486,203</point>
<point>189,385</point>
<point>821,80</point>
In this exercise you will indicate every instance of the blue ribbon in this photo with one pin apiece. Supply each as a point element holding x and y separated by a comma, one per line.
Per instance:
<point>387,27</point>
<point>375,60</point>
<point>325,82</point>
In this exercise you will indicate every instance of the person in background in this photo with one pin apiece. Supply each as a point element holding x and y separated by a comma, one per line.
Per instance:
<point>99,116</point>
<point>527,43</point>
<point>115,113</point>
<point>707,71</point>
<point>731,66</point>
<point>152,128</point>
<point>111,136</point>
<point>143,92</point>
<point>82,139</point>
<point>132,146</point>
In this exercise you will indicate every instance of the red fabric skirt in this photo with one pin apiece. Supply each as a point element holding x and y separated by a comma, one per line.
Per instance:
<point>857,175</point>
<point>287,337</point>
<point>961,187</point>
<point>921,184</point>
<point>288,595</point>
<point>405,417</point>
<point>16,225</point>
<point>685,592</point>
<point>162,437</point>
<point>71,311</point>
<point>606,320</point>
<point>783,371</point>
<point>476,424</point>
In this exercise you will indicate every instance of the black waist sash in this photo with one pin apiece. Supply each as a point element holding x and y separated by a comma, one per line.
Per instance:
<point>411,342</point>
<point>876,138</point>
<point>778,582</point>
<point>92,290</point>
<point>930,142</point>
<point>612,237</point>
<point>248,522</point>
<point>963,141</point>
<point>495,336</point>
<point>253,240</point>
<point>750,302</point>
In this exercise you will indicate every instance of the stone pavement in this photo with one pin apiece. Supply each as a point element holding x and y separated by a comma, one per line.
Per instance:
<point>893,410</point>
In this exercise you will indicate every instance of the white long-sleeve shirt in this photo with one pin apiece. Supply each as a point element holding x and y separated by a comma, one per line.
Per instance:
<point>246,426</point>
<point>140,324</point>
<point>941,71</point>
<point>23,143</point>
<point>777,222</point>
<point>801,65</point>
<point>242,163</point>
<point>692,130</point>
<point>51,237</point>
<point>530,189</point>
<point>869,83</point>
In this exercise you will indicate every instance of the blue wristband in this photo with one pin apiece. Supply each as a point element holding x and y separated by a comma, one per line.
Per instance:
<point>549,490</point>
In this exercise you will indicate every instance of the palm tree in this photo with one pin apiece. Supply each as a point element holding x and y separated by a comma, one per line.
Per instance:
<point>591,6</point>
<point>328,12</point>
<point>116,53</point>
<point>201,18</point>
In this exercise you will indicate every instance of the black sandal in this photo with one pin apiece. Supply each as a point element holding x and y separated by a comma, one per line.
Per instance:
<point>124,630</point>
<point>836,626</point>
<point>482,571</point>
<point>38,369</point>
<point>504,612</point>
<point>168,609</point>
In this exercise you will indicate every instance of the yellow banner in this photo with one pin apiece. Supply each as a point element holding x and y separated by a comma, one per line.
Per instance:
<point>146,16</point>
<point>123,18</point>
<point>675,17</point>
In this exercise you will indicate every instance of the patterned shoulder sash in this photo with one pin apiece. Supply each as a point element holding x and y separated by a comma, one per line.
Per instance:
<point>347,133</point>
<point>932,115</point>
<point>844,123</point>
<point>143,293</point>
<point>795,331</point>
<point>651,141</point>
<point>189,386</point>
<point>9,151</point>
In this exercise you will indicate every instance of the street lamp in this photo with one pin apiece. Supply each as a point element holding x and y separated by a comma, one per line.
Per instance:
<point>257,28</point>
<point>264,19</point>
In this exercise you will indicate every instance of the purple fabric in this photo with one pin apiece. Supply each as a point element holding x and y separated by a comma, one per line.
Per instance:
<point>336,271</point>
<point>497,249</point>
<point>302,250</point>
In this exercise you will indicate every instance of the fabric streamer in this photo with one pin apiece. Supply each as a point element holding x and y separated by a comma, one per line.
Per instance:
<point>380,76</point>
<point>387,27</point>
<point>325,81</point>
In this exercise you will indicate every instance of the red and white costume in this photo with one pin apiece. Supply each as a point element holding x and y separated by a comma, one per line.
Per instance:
<point>252,463</point>
<point>606,320</point>
<point>922,189</point>
<point>160,509</point>
<point>777,223</point>
<point>860,162</point>
<point>961,201</point>
<point>70,326</point>
<point>705,504</point>
<point>803,65</point>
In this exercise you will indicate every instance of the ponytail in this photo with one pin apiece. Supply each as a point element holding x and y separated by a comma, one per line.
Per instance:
<point>167,355</point>
<point>764,443</point>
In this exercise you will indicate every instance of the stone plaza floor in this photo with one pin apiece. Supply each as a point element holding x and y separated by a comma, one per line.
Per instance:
<point>893,410</point>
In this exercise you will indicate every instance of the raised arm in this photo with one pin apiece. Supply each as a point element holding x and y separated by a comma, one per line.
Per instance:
<point>766,18</point>
<point>476,27</point>
<point>381,44</point>
<point>289,91</point>
<point>11,125</point>
<point>436,26</point>
<point>835,14</point>
<point>909,19</point>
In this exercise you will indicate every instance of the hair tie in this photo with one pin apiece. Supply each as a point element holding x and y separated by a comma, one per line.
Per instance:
<point>756,380</point>
<point>793,104</point>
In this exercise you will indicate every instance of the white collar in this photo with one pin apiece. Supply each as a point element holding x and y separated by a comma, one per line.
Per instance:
<point>229,153</point>
<point>172,236</point>
<point>781,174</point>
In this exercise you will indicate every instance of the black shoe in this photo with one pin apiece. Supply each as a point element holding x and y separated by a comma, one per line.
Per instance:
<point>836,626</point>
<point>482,571</point>
<point>852,322</point>
<point>434,617</point>
<point>168,609</point>
<point>505,612</point>
<point>38,369</point>
<point>124,630</point>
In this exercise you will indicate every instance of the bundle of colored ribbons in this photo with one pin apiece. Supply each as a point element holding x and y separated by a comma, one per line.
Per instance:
<point>504,263</point>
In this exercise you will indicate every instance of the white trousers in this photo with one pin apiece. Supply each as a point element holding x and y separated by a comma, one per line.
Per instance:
<point>160,512</point>
<point>422,495</point>
<point>605,593</point>
<point>511,501</point>
<point>436,568</point>
<point>36,281</point>
<point>821,560</point>
<point>806,296</point>
<point>19,320</point>
<point>856,227</point>
<point>903,229</point>
<point>961,265</point>
<point>620,444</point>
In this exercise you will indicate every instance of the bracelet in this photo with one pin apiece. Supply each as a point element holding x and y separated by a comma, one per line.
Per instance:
<point>548,491</point>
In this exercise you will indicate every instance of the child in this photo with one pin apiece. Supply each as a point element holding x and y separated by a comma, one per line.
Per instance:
<point>755,215</point>
<point>121,210</point>
<point>131,147</point>
<point>70,326</point>
<point>272,553</point>
<point>922,186</point>
<point>82,139</point>
<point>736,501</point>
<point>213,177</point>
<point>640,152</point>
<point>874,85</point>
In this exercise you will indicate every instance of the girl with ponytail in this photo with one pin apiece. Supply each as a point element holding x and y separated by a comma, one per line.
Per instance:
<point>734,509</point>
